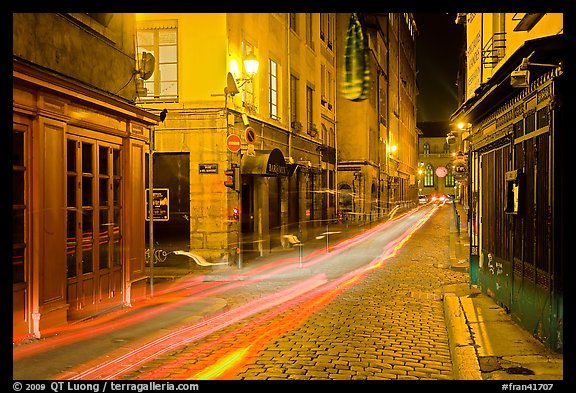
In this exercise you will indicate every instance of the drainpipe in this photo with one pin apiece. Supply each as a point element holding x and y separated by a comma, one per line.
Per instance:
<point>151,210</point>
<point>288,90</point>
<point>290,132</point>
<point>399,81</point>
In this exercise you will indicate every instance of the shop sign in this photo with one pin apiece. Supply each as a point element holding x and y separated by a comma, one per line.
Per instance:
<point>160,204</point>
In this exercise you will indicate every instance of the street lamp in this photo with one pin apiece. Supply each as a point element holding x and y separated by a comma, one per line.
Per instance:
<point>251,65</point>
<point>458,135</point>
<point>463,126</point>
<point>420,175</point>
<point>251,68</point>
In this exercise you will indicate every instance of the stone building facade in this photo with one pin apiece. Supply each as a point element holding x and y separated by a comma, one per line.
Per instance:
<point>378,137</point>
<point>287,170</point>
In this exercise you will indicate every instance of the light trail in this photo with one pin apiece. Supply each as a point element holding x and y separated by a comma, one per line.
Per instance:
<point>292,296</point>
<point>231,352</point>
<point>219,365</point>
<point>112,321</point>
<point>147,351</point>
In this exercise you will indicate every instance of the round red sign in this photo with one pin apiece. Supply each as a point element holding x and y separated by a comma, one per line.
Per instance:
<point>234,143</point>
<point>250,135</point>
<point>441,171</point>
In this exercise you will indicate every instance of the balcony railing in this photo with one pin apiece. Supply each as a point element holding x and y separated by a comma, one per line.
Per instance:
<point>436,155</point>
<point>494,50</point>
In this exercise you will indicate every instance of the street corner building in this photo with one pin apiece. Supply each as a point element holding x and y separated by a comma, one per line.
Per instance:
<point>288,153</point>
<point>79,147</point>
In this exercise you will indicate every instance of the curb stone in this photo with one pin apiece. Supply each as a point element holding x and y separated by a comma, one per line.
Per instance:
<point>465,362</point>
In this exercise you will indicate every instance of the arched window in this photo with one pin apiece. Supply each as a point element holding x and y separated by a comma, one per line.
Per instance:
<point>429,176</point>
<point>426,149</point>
<point>449,178</point>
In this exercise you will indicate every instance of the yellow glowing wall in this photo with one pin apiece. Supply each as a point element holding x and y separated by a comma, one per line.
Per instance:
<point>202,47</point>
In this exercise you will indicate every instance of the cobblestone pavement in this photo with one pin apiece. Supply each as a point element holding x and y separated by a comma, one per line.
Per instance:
<point>388,325</point>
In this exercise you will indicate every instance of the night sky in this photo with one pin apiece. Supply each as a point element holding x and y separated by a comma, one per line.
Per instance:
<point>438,45</point>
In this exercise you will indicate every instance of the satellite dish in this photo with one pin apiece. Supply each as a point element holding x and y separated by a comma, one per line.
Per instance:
<point>231,87</point>
<point>146,65</point>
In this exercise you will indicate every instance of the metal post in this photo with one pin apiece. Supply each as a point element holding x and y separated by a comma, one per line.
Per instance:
<point>239,248</point>
<point>239,215</point>
<point>301,244</point>
<point>151,209</point>
<point>327,235</point>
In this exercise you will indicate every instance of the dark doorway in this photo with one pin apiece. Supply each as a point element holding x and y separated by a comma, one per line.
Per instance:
<point>293,203</point>
<point>274,212</point>
<point>171,171</point>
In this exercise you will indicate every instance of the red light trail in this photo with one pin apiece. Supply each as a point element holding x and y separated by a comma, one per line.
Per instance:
<point>233,349</point>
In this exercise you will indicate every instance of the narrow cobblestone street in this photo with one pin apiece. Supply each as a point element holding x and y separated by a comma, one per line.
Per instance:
<point>373,307</point>
<point>389,326</point>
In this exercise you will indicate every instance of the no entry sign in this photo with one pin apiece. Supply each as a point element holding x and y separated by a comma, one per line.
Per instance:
<point>234,143</point>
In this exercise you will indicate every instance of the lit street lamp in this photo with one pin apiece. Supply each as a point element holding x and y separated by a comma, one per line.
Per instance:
<point>232,88</point>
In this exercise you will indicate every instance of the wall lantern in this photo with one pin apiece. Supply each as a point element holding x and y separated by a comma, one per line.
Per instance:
<point>251,65</point>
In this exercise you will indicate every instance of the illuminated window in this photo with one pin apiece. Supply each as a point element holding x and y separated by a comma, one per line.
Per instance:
<point>449,178</point>
<point>161,40</point>
<point>273,90</point>
<point>426,149</point>
<point>429,176</point>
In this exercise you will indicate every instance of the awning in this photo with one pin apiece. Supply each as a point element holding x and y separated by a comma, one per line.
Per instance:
<point>264,163</point>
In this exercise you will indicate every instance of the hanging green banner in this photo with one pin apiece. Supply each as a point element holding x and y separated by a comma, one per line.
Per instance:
<point>356,81</point>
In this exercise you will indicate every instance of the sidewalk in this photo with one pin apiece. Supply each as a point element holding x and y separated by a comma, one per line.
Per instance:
<point>485,342</point>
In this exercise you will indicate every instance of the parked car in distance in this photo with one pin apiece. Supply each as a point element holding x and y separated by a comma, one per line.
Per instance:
<point>439,198</point>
